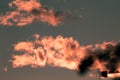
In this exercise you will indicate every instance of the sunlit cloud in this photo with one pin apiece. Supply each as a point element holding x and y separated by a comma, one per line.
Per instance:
<point>27,11</point>
<point>67,53</point>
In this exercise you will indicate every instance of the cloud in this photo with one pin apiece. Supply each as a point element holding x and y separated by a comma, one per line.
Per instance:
<point>27,11</point>
<point>59,51</point>
<point>67,53</point>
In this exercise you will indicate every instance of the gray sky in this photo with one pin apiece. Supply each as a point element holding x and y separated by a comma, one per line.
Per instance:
<point>91,22</point>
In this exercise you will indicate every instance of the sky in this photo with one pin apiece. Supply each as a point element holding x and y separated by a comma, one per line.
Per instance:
<point>89,22</point>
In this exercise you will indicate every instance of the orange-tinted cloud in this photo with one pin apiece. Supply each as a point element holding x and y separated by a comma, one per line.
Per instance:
<point>59,51</point>
<point>66,53</point>
<point>27,11</point>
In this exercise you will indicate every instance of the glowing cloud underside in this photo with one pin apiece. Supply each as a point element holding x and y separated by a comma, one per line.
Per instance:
<point>66,53</point>
<point>27,11</point>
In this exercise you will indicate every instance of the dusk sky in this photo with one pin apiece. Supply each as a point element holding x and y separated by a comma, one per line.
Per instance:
<point>89,22</point>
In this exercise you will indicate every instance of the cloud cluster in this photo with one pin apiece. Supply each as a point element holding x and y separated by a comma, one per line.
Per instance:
<point>67,53</point>
<point>56,51</point>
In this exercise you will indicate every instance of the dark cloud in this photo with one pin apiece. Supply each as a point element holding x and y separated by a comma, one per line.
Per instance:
<point>117,50</point>
<point>110,55</point>
<point>112,65</point>
<point>104,73</point>
<point>35,11</point>
<point>39,11</point>
<point>83,67</point>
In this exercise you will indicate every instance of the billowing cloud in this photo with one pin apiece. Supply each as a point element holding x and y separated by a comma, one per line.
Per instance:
<point>67,53</point>
<point>59,51</point>
<point>27,11</point>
